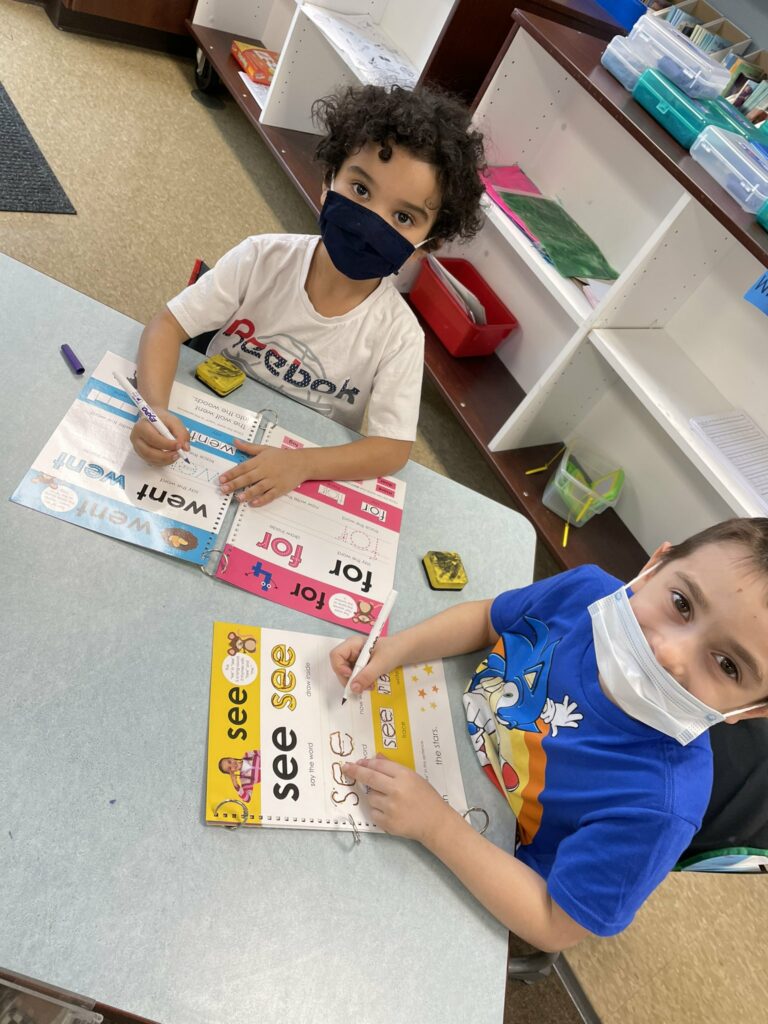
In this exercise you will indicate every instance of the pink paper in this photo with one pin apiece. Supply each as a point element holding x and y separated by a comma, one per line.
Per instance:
<point>514,179</point>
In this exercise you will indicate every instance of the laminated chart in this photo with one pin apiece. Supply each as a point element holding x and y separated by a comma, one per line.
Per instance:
<point>278,735</point>
<point>88,473</point>
<point>328,549</point>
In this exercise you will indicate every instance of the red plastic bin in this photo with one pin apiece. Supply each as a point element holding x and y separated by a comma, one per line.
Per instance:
<point>448,320</point>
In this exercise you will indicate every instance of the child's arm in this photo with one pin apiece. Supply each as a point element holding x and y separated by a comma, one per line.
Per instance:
<point>405,804</point>
<point>458,630</point>
<point>158,358</point>
<point>275,471</point>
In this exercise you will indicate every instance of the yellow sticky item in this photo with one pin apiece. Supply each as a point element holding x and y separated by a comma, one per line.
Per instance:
<point>220,375</point>
<point>445,570</point>
<point>540,469</point>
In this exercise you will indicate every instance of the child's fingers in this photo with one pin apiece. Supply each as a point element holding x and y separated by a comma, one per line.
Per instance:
<point>176,427</point>
<point>246,446</point>
<point>364,680</point>
<point>375,780</point>
<point>344,656</point>
<point>150,445</point>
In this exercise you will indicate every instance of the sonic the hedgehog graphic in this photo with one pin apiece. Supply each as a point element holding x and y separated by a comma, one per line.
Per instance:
<point>509,691</point>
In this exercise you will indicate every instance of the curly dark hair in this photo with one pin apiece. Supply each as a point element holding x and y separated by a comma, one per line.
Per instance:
<point>431,124</point>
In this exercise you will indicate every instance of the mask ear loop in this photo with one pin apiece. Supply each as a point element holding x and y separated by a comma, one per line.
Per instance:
<point>645,572</point>
<point>750,707</point>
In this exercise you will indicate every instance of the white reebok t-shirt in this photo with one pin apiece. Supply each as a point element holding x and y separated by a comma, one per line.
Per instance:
<point>266,324</point>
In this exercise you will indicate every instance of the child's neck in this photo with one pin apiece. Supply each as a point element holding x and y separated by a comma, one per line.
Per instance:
<point>331,292</point>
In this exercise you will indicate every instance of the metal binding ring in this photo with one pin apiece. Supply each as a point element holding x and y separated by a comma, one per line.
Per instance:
<point>355,829</point>
<point>239,804</point>
<point>480,810</point>
<point>224,561</point>
<point>265,423</point>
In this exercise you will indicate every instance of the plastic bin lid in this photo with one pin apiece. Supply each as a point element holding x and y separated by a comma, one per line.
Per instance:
<point>679,48</point>
<point>622,47</point>
<point>742,156</point>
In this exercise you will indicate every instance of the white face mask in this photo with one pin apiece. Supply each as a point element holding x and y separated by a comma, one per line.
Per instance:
<point>636,682</point>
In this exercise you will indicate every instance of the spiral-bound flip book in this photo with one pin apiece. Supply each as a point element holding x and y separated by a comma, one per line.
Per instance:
<point>279,736</point>
<point>328,549</point>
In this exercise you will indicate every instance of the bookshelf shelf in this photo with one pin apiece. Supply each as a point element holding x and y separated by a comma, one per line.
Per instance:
<point>567,294</point>
<point>368,52</point>
<point>673,339</point>
<point>673,389</point>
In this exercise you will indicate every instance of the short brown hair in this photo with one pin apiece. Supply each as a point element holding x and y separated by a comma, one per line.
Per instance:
<point>752,534</point>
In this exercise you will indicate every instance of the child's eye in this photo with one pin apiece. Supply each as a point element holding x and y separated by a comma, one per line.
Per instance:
<point>728,667</point>
<point>681,604</point>
<point>404,218</point>
<point>360,190</point>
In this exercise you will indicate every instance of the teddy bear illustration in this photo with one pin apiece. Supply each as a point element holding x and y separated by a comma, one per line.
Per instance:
<point>238,644</point>
<point>364,613</point>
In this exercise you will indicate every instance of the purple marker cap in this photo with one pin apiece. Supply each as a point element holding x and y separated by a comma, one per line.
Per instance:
<point>75,365</point>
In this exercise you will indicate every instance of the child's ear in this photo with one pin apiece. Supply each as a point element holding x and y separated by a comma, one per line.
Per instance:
<point>756,713</point>
<point>653,562</point>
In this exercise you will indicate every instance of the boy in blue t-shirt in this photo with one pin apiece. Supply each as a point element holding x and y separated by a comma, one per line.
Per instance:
<point>590,715</point>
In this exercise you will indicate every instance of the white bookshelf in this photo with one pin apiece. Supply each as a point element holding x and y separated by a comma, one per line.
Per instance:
<point>343,42</point>
<point>267,20</point>
<point>673,339</point>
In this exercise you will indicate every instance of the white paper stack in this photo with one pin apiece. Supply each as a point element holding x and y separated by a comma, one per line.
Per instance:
<point>740,444</point>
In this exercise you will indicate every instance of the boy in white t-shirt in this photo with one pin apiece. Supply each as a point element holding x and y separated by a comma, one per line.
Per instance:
<point>318,318</point>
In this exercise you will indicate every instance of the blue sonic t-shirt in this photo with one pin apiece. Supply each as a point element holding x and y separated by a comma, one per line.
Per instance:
<point>605,805</point>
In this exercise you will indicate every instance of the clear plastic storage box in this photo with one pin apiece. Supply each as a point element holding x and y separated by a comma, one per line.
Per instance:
<point>740,167</point>
<point>623,63</point>
<point>683,117</point>
<point>583,485</point>
<point>659,46</point>
<point>762,217</point>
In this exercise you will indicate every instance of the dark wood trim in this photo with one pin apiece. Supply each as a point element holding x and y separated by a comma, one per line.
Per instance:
<point>474,33</point>
<point>118,31</point>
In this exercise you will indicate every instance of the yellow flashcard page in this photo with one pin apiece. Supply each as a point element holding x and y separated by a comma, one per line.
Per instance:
<point>278,734</point>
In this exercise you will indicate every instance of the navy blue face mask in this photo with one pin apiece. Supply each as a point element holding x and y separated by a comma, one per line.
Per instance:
<point>361,244</point>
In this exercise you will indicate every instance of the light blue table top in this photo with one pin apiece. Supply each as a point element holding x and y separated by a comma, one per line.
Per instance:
<point>112,885</point>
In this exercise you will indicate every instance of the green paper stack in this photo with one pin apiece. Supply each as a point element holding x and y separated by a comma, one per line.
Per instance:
<point>569,247</point>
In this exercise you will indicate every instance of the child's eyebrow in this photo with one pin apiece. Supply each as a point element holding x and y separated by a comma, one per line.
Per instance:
<point>747,658</point>
<point>696,592</point>
<point>354,169</point>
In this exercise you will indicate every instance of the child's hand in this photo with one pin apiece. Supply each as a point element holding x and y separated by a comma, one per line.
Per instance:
<point>344,656</point>
<point>150,445</point>
<point>402,802</point>
<point>271,473</point>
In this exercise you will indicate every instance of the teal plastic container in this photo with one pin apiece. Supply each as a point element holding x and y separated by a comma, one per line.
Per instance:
<point>736,122</point>
<point>684,118</point>
<point>762,216</point>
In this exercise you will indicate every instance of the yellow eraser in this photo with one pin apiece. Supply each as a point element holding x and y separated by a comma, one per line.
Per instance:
<point>220,374</point>
<point>445,570</point>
